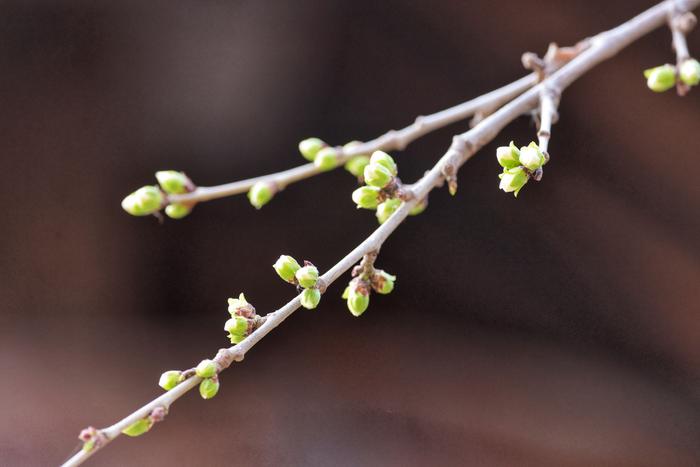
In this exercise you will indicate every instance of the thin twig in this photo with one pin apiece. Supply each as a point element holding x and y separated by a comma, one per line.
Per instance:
<point>681,22</point>
<point>463,147</point>
<point>549,101</point>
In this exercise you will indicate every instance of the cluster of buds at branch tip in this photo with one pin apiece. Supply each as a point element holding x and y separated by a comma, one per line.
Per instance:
<point>261,193</point>
<point>367,279</point>
<point>664,77</point>
<point>305,277</point>
<point>151,199</point>
<point>519,166</point>
<point>384,191</point>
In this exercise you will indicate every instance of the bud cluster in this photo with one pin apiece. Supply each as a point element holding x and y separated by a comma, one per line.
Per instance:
<point>519,166</point>
<point>208,371</point>
<point>382,191</point>
<point>152,198</point>
<point>358,290</point>
<point>243,321</point>
<point>664,77</point>
<point>305,277</point>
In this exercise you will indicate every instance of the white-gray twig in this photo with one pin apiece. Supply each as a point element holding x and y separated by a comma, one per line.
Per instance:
<point>391,140</point>
<point>463,147</point>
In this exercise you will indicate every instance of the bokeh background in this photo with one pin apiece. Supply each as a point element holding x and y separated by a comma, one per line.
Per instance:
<point>561,329</point>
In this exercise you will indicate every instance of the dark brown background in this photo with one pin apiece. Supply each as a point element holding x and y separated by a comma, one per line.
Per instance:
<point>561,329</point>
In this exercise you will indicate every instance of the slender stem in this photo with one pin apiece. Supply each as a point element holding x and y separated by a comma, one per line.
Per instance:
<point>680,45</point>
<point>463,147</point>
<point>549,100</point>
<point>392,140</point>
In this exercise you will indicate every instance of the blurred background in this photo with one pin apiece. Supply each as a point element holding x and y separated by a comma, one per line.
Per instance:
<point>561,329</point>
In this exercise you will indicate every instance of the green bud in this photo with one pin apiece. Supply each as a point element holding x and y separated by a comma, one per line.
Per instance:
<point>307,276</point>
<point>260,194</point>
<point>144,201</point>
<point>356,165</point>
<point>310,147</point>
<point>421,206</point>
<point>170,379</point>
<point>206,369</point>
<point>172,181</point>
<point>531,157</point>
<point>286,267</point>
<point>209,387</point>
<point>508,156</point>
<point>240,306</point>
<point>310,298</point>
<point>237,326</point>
<point>383,282</point>
<point>366,197</point>
<point>387,208</point>
<point>326,159</point>
<point>382,158</point>
<point>358,301</point>
<point>177,211</point>
<point>689,72</point>
<point>89,445</point>
<point>346,293</point>
<point>513,180</point>
<point>138,428</point>
<point>661,78</point>
<point>377,175</point>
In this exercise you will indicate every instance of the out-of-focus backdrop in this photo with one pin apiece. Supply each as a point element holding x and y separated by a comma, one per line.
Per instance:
<point>561,329</point>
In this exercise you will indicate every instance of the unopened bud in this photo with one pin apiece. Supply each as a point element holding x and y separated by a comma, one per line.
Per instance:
<point>326,159</point>
<point>170,379</point>
<point>377,175</point>
<point>209,387</point>
<point>139,427</point>
<point>421,206</point>
<point>144,201</point>
<point>689,72</point>
<point>286,267</point>
<point>513,180</point>
<point>382,158</point>
<point>356,165</point>
<point>260,194</point>
<point>177,210</point>
<point>307,276</point>
<point>310,147</point>
<point>206,369</point>
<point>237,327</point>
<point>366,197</point>
<point>661,78</point>
<point>531,157</point>
<point>508,156</point>
<point>383,282</point>
<point>386,209</point>
<point>173,182</point>
<point>240,306</point>
<point>310,298</point>
<point>358,300</point>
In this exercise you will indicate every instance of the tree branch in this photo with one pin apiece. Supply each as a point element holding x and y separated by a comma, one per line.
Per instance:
<point>392,140</point>
<point>463,147</point>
